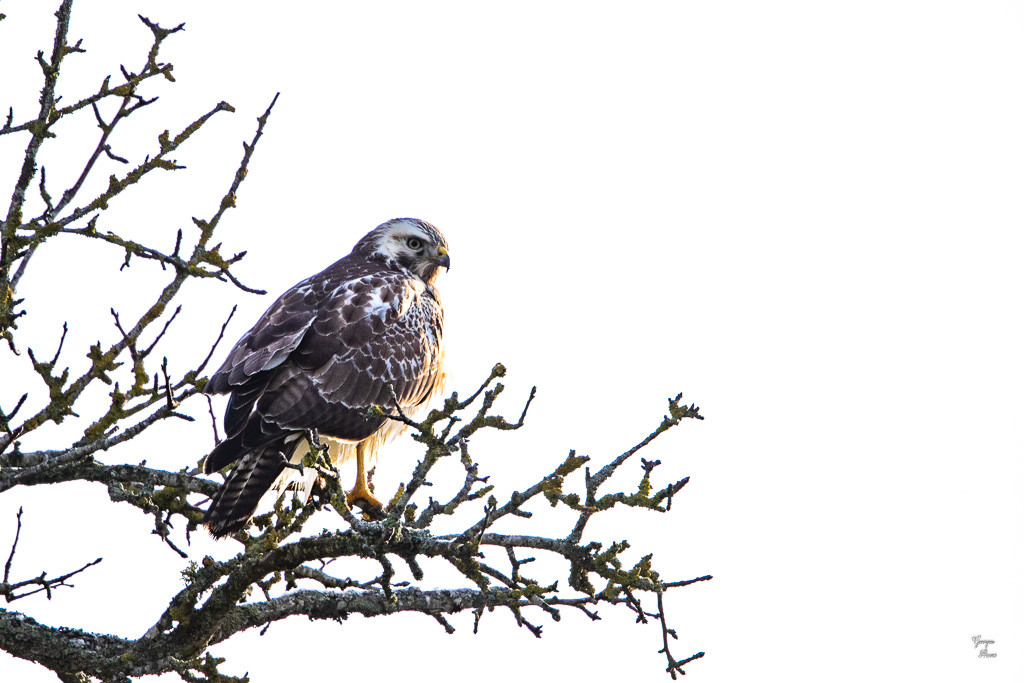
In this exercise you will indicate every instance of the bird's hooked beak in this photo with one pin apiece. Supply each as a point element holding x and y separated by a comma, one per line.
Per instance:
<point>443,259</point>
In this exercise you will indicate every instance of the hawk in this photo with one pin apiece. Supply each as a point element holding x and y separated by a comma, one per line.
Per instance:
<point>322,354</point>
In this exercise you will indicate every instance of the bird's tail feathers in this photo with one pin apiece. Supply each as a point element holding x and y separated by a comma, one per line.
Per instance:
<point>237,499</point>
<point>225,453</point>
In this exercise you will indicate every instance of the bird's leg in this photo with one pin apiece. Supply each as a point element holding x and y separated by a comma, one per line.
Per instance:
<point>361,491</point>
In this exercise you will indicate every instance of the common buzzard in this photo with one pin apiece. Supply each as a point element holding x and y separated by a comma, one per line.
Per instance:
<point>322,354</point>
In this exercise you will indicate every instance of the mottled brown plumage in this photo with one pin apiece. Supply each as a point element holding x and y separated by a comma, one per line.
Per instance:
<point>322,354</point>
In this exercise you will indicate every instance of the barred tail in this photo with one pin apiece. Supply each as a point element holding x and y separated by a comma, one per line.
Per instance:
<point>252,477</point>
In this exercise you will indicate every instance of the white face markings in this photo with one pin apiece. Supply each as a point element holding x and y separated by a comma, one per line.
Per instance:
<point>394,241</point>
<point>411,245</point>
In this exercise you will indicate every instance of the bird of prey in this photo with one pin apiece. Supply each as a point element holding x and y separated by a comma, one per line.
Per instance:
<point>321,355</point>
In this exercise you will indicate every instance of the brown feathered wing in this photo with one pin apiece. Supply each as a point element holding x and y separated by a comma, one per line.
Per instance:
<point>320,356</point>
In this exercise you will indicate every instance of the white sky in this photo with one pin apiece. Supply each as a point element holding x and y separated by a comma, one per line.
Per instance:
<point>804,215</point>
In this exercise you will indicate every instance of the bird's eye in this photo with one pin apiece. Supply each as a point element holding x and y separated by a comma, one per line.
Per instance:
<point>414,243</point>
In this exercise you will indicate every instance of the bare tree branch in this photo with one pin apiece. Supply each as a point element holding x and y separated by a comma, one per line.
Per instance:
<point>279,570</point>
<point>10,590</point>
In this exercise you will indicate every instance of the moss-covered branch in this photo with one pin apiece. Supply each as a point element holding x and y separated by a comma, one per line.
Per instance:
<point>280,569</point>
<point>217,599</point>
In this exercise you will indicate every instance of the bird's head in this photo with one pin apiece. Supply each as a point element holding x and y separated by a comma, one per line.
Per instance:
<point>410,242</point>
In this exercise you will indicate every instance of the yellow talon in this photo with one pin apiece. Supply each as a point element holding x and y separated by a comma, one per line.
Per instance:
<point>363,494</point>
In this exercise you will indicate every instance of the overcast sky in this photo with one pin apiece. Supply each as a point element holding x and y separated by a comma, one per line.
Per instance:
<point>806,216</point>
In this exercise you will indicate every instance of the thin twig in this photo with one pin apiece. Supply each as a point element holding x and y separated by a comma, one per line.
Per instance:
<point>14,546</point>
<point>674,666</point>
<point>213,421</point>
<point>220,336</point>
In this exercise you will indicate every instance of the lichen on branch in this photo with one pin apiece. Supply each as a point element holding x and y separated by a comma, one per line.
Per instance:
<point>354,565</point>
